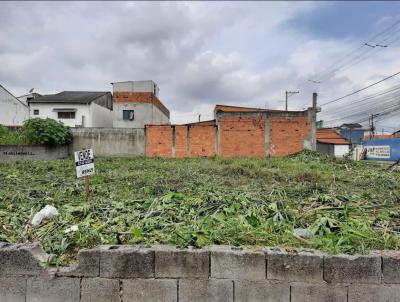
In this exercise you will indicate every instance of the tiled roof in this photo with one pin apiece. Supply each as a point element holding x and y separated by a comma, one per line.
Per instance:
<point>74,97</point>
<point>330,136</point>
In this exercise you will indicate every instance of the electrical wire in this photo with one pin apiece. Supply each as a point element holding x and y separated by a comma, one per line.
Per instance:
<point>349,59</point>
<point>356,105</point>
<point>362,89</point>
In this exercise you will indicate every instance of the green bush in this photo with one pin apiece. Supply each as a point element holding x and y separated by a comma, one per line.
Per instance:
<point>8,137</point>
<point>45,132</point>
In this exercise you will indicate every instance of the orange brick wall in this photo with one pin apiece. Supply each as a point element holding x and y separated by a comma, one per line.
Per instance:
<point>287,135</point>
<point>241,136</point>
<point>140,97</point>
<point>202,140</point>
<point>180,141</point>
<point>159,141</point>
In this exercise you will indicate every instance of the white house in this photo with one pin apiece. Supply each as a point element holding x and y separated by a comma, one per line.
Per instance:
<point>75,108</point>
<point>12,111</point>
<point>136,104</point>
<point>28,97</point>
<point>331,142</point>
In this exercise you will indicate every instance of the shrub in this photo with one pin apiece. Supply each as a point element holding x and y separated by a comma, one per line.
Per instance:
<point>45,132</point>
<point>8,137</point>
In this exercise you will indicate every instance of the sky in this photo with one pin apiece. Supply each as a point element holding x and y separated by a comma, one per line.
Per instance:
<point>205,53</point>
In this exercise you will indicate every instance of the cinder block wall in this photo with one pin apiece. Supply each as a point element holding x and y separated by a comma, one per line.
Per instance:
<point>218,273</point>
<point>109,141</point>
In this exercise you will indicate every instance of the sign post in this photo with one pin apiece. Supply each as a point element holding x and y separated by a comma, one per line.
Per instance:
<point>84,163</point>
<point>86,179</point>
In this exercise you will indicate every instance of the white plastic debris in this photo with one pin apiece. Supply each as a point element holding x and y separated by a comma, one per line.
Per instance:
<point>303,233</point>
<point>47,212</point>
<point>73,228</point>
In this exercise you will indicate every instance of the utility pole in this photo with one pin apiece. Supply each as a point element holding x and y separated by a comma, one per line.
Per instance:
<point>371,125</point>
<point>287,95</point>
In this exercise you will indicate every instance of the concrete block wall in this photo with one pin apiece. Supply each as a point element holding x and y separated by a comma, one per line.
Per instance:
<point>13,153</point>
<point>217,273</point>
<point>109,141</point>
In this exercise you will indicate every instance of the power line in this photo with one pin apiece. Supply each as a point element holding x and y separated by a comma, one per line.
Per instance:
<point>369,100</point>
<point>359,90</point>
<point>368,111</point>
<point>366,55</point>
<point>349,59</point>
<point>384,113</point>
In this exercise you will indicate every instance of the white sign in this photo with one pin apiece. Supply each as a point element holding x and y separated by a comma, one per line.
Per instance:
<point>84,162</point>
<point>378,151</point>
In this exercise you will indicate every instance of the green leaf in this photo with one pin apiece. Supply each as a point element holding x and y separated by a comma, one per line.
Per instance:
<point>137,233</point>
<point>253,220</point>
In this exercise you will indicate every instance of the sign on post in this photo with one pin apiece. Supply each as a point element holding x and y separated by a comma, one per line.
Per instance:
<point>84,163</point>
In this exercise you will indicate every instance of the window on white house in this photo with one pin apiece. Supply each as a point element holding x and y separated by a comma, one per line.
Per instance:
<point>128,115</point>
<point>66,115</point>
<point>35,111</point>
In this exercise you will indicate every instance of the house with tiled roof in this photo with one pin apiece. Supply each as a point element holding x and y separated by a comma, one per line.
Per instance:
<point>329,141</point>
<point>74,108</point>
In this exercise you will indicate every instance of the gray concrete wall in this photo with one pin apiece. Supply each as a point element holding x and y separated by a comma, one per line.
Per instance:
<point>136,86</point>
<point>13,112</point>
<point>100,116</point>
<point>109,141</point>
<point>218,273</point>
<point>326,148</point>
<point>144,114</point>
<point>13,153</point>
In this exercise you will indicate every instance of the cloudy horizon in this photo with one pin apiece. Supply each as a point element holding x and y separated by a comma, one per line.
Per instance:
<point>200,53</point>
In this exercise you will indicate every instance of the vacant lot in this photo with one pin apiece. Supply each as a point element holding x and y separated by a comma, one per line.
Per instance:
<point>347,206</point>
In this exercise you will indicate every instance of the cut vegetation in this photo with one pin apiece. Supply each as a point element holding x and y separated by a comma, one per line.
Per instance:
<point>307,200</point>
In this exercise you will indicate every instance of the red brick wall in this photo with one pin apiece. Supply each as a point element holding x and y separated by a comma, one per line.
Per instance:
<point>180,141</point>
<point>287,135</point>
<point>242,136</point>
<point>159,141</point>
<point>202,140</point>
<point>139,97</point>
<point>238,137</point>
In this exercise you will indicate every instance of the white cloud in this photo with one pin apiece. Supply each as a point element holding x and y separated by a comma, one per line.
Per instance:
<point>199,53</point>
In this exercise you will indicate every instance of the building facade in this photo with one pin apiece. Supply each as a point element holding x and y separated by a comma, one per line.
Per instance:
<point>332,143</point>
<point>28,97</point>
<point>382,149</point>
<point>136,104</point>
<point>13,112</point>
<point>75,108</point>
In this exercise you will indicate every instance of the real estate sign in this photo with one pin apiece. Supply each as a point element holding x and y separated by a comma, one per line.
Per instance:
<point>84,162</point>
<point>378,151</point>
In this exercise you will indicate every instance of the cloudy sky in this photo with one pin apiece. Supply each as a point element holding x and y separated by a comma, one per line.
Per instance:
<point>204,53</point>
